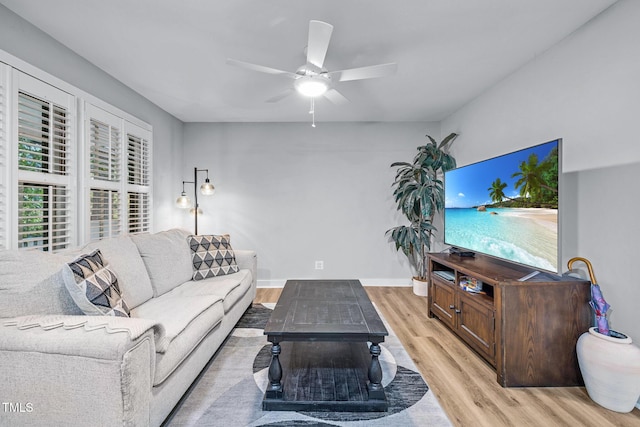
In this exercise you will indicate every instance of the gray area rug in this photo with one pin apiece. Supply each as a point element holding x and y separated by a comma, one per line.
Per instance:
<point>230,391</point>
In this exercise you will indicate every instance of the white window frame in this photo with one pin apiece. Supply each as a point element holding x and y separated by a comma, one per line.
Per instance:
<point>79,184</point>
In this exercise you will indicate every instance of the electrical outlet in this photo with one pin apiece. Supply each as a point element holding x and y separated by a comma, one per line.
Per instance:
<point>319,265</point>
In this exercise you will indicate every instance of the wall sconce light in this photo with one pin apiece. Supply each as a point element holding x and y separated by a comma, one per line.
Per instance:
<point>206,189</point>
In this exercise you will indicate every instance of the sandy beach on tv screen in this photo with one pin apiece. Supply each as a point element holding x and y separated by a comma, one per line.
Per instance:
<point>545,217</point>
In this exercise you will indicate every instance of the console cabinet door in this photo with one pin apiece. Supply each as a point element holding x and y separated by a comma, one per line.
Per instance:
<point>443,297</point>
<point>476,325</point>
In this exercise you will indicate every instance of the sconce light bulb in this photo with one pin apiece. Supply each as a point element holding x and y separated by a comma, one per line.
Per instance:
<point>183,201</point>
<point>207,188</point>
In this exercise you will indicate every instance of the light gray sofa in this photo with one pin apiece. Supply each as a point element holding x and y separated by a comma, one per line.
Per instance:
<point>60,367</point>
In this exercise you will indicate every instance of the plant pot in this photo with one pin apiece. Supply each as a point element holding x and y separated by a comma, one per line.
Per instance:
<point>420,287</point>
<point>610,368</point>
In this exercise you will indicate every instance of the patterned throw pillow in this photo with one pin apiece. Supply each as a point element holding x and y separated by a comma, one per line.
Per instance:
<point>94,287</point>
<point>212,256</point>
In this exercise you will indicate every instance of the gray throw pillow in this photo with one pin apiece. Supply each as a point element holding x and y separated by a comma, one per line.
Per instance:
<point>212,256</point>
<point>94,287</point>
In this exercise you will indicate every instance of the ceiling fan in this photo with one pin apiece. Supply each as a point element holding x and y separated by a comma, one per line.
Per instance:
<point>312,79</point>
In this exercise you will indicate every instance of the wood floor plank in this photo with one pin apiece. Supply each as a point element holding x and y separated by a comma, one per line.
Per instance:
<point>465,385</point>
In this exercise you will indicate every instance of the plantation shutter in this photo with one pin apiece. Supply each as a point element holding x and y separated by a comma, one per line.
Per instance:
<point>104,158</point>
<point>104,214</point>
<point>60,187</point>
<point>138,160</point>
<point>43,136</point>
<point>104,138</point>
<point>44,155</point>
<point>138,179</point>
<point>43,216</point>
<point>4,213</point>
<point>138,208</point>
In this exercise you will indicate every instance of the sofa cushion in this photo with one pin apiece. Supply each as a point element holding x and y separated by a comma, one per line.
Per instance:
<point>212,256</point>
<point>125,261</point>
<point>187,320</point>
<point>31,283</point>
<point>230,288</point>
<point>167,258</point>
<point>94,287</point>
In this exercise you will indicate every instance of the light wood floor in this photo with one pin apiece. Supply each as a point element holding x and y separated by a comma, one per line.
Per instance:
<point>465,385</point>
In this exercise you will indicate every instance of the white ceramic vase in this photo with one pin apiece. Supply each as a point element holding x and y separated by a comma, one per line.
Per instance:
<point>611,370</point>
<point>420,287</point>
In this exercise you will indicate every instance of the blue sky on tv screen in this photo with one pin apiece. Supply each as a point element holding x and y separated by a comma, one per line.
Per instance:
<point>468,185</point>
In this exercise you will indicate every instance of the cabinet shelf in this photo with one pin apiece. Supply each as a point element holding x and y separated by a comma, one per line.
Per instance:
<point>526,330</point>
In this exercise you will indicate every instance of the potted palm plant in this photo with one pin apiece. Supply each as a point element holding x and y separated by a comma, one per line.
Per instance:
<point>419,194</point>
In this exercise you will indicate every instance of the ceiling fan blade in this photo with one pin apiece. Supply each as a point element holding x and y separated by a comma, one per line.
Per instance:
<point>281,95</point>
<point>370,72</point>
<point>259,68</point>
<point>335,97</point>
<point>319,36</point>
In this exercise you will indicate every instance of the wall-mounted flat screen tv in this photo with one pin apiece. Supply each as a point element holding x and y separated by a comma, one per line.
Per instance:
<point>507,207</point>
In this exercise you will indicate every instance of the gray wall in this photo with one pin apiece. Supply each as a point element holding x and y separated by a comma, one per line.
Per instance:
<point>585,90</point>
<point>298,194</point>
<point>30,44</point>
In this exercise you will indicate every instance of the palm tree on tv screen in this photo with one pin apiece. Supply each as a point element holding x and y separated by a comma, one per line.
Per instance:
<point>496,191</point>
<point>533,178</point>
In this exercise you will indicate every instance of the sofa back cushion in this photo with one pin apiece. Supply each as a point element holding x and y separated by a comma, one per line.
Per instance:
<point>31,283</point>
<point>167,257</point>
<point>126,262</point>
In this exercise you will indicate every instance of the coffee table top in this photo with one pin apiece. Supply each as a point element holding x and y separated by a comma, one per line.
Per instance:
<point>326,310</point>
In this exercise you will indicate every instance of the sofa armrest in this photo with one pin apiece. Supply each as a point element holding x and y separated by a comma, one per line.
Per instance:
<point>247,259</point>
<point>76,370</point>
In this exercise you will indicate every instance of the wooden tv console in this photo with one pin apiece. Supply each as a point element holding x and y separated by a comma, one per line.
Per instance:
<point>527,330</point>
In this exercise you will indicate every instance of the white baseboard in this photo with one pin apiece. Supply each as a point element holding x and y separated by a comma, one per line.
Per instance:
<point>271,283</point>
<point>279,283</point>
<point>398,283</point>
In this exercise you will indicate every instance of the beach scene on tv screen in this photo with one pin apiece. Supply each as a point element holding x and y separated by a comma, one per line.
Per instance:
<point>507,207</point>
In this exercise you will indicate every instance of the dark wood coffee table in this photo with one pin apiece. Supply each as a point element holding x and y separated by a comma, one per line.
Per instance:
<point>319,358</point>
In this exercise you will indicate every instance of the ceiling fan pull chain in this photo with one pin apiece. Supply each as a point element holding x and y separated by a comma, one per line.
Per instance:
<point>312,111</point>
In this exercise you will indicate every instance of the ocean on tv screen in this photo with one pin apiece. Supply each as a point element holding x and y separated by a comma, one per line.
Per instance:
<point>524,235</point>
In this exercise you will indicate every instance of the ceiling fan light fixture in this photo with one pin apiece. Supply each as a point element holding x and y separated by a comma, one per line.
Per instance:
<point>312,86</point>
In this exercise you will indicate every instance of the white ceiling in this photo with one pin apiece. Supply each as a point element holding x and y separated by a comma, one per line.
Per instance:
<point>173,52</point>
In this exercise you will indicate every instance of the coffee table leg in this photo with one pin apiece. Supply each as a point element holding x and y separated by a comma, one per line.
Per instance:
<point>376,391</point>
<point>274,391</point>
